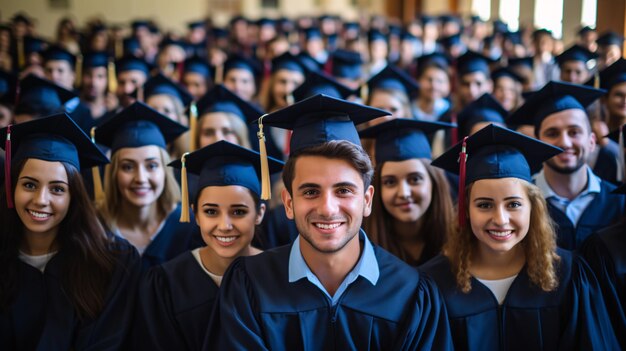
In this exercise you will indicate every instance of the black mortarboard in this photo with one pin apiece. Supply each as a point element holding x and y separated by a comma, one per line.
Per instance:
<point>500,26</point>
<point>449,18</point>
<point>408,36</point>
<point>476,19</point>
<point>435,58</point>
<point>173,42</point>
<point>33,44</point>
<point>132,63</point>
<point>610,38</point>
<point>197,65</point>
<point>57,53</point>
<point>21,18</point>
<point>8,88</point>
<point>223,164</point>
<point>196,24</point>
<point>237,61</point>
<point>395,30</point>
<point>312,33</point>
<point>309,62</point>
<point>610,76</point>
<point>514,37</point>
<point>484,109</point>
<point>552,98</point>
<point>402,139</point>
<point>376,35</point>
<point>351,26</point>
<point>160,84</point>
<point>321,83</point>
<point>320,118</point>
<point>426,19</point>
<point>218,32</point>
<point>585,29</point>
<point>472,61</point>
<point>130,45</point>
<point>521,61</point>
<point>289,62</point>
<point>392,77</point>
<point>95,59</point>
<point>451,40</point>
<point>140,23</point>
<point>347,64</point>
<point>41,97</point>
<point>506,72</point>
<point>136,126</point>
<point>576,53</point>
<point>264,21</point>
<point>541,31</point>
<point>220,99</point>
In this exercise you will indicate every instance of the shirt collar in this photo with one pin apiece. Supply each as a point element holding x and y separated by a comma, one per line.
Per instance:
<point>367,265</point>
<point>593,184</point>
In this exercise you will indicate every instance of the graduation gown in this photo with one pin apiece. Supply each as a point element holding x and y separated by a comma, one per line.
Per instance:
<point>605,209</point>
<point>606,166</point>
<point>173,239</point>
<point>174,306</point>
<point>605,252</point>
<point>573,317</point>
<point>258,309</point>
<point>42,317</point>
<point>278,230</point>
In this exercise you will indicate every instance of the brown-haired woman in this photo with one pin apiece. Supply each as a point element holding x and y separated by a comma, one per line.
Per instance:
<point>506,284</point>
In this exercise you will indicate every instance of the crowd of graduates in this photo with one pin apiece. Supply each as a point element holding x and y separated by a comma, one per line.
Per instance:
<point>311,183</point>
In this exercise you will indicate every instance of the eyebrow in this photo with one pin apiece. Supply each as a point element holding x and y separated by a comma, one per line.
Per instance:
<point>36,180</point>
<point>216,205</point>
<point>515,197</point>
<point>131,160</point>
<point>336,185</point>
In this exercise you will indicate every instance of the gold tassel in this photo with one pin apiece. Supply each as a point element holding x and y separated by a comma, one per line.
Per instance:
<point>140,93</point>
<point>184,213</point>
<point>98,190</point>
<point>21,57</point>
<point>219,74</point>
<point>193,121</point>
<point>112,77</point>
<point>596,80</point>
<point>364,93</point>
<point>119,48</point>
<point>266,187</point>
<point>78,71</point>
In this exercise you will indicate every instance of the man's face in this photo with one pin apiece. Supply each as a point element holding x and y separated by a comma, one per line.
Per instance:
<point>569,130</point>
<point>574,71</point>
<point>60,72</point>
<point>94,82</point>
<point>127,83</point>
<point>328,203</point>
<point>473,85</point>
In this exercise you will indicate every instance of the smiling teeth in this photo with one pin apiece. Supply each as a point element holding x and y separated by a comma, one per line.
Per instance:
<point>39,214</point>
<point>496,233</point>
<point>226,239</point>
<point>327,226</point>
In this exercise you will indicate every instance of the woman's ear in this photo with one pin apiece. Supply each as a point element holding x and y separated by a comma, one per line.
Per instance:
<point>260,214</point>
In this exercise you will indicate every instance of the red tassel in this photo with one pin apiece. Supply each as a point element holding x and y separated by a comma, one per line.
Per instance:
<point>287,149</point>
<point>461,201</point>
<point>180,69</point>
<point>267,69</point>
<point>328,67</point>
<point>7,168</point>
<point>455,130</point>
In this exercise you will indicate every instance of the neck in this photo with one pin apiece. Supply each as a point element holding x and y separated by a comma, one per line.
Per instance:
<point>217,264</point>
<point>408,232</point>
<point>139,218</point>
<point>566,185</point>
<point>491,265</point>
<point>36,244</point>
<point>332,268</point>
<point>426,104</point>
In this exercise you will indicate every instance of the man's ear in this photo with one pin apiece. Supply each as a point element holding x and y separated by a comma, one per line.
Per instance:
<point>287,202</point>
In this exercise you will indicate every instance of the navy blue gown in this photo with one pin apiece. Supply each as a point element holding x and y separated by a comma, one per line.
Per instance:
<point>605,252</point>
<point>572,317</point>
<point>174,306</point>
<point>43,318</point>
<point>604,210</point>
<point>258,309</point>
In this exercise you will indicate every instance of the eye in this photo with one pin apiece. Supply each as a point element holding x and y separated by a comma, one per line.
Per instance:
<point>239,212</point>
<point>58,189</point>
<point>153,165</point>
<point>483,205</point>
<point>415,179</point>
<point>210,211</point>
<point>126,167</point>
<point>29,185</point>
<point>345,191</point>
<point>310,192</point>
<point>515,204</point>
<point>389,181</point>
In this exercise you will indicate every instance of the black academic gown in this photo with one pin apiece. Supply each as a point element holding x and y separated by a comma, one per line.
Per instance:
<point>573,317</point>
<point>174,306</point>
<point>173,239</point>
<point>258,309</point>
<point>605,209</point>
<point>606,166</point>
<point>42,317</point>
<point>606,253</point>
<point>278,230</point>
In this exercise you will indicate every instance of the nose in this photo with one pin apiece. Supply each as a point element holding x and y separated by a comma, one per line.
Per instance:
<point>141,174</point>
<point>41,198</point>
<point>564,140</point>
<point>500,216</point>
<point>225,223</point>
<point>328,205</point>
<point>404,190</point>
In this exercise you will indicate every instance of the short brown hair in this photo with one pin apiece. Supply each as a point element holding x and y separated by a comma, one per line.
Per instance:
<point>334,149</point>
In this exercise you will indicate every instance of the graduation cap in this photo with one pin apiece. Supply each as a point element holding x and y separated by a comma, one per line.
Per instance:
<point>222,164</point>
<point>610,38</point>
<point>521,61</point>
<point>352,26</point>
<point>132,63</point>
<point>493,153</point>
<point>506,72</point>
<point>312,34</point>
<point>402,139</point>
<point>289,62</point>
<point>34,44</point>
<point>219,32</point>
<point>449,18</point>
<point>55,138</point>
<point>376,35</point>
<point>314,121</point>
<point>130,45</point>
<point>140,23</point>
<point>95,59</point>
<point>541,31</point>
<point>58,53</point>
<point>451,40</point>
<point>484,109</point>
<point>610,76</point>
<point>21,18</point>
<point>321,83</point>
<point>309,62</point>
<point>408,36</point>
<point>552,98</point>
<point>196,24</point>
<point>393,78</point>
<point>220,99</point>
<point>197,65</point>
<point>584,30</point>
<point>427,19</point>
<point>436,58</point>
<point>8,88</point>
<point>500,26</point>
<point>575,53</point>
<point>264,21</point>
<point>395,30</point>
<point>472,61</point>
<point>237,61</point>
<point>41,97</point>
<point>160,84</point>
<point>136,126</point>
<point>346,64</point>
<point>513,37</point>
<point>173,42</point>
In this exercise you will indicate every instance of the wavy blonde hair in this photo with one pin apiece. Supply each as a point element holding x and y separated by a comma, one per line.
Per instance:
<point>539,245</point>
<point>110,208</point>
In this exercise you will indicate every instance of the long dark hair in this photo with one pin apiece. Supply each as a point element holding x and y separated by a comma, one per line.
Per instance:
<point>84,249</point>
<point>437,220</point>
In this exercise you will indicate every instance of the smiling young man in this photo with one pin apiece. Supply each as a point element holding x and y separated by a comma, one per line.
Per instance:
<point>331,288</point>
<point>579,201</point>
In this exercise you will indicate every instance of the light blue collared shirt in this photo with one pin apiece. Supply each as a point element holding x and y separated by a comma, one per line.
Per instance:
<point>574,208</point>
<point>367,267</point>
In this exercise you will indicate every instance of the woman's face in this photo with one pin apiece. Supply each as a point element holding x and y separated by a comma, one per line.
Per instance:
<point>506,91</point>
<point>388,102</point>
<point>406,189</point>
<point>616,101</point>
<point>241,82</point>
<point>227,217</point>
<point>285,82</point>
<point>499,213</point>
<point>140,175</point>
<point>216,126</point>
<point>195,83</point>
<point>42,196</point>
<point>164,104</point>
<point>434,84</point>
